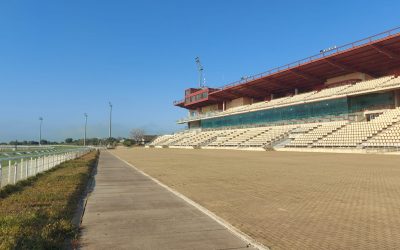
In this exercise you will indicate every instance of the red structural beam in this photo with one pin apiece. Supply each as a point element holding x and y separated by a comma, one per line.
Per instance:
<point>375,55</point>
<point>362,42</point>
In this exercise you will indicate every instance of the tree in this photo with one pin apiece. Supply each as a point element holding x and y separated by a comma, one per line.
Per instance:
<point>137,134</point>
<point>69,140</point>
<point>44,142</point>
<point>127,143</point>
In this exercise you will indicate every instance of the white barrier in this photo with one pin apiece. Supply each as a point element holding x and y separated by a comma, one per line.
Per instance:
<point>16,169</point>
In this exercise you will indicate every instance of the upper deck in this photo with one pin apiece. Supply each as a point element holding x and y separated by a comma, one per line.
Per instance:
<point>377,56</point>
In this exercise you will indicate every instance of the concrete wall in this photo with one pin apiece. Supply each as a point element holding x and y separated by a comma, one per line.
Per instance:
<point>348,77</point>
<point>238,102</point>
<point>397,98</point>
<point>209,108</point>
<point>194,124</point>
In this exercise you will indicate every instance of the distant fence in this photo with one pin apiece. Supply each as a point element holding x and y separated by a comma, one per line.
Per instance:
<point>15,169</point>
<point>24,147</point>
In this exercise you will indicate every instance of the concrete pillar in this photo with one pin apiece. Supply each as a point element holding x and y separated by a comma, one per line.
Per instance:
<point>397,98</point>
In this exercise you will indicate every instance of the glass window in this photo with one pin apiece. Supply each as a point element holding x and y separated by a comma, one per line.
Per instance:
<point>290,113</point>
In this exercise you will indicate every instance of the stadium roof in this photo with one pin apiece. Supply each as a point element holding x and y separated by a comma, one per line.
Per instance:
<point>376,55</point>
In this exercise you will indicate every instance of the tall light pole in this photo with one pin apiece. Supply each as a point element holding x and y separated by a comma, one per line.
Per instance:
<point>109,132</point>
<point>40,131</point>
<point>84,138</point>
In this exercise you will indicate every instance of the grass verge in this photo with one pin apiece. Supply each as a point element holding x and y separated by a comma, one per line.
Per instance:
<point>36,213</point>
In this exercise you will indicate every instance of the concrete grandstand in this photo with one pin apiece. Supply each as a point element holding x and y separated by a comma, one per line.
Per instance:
<point>347,97</point>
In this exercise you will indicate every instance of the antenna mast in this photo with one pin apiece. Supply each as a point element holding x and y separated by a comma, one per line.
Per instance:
<point>200,69</point>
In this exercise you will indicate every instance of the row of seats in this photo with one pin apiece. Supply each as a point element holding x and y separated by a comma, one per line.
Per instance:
<point>388,138</point>
<point>322,130</point>
<point>350,89</point>
<point>168,140</point>
<point>382,131</point>
<point>356,134</point>
<point>160,139</point>
<point>244,137</point>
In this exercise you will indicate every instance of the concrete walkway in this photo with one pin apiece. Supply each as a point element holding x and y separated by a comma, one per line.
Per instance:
<point>127,210</point>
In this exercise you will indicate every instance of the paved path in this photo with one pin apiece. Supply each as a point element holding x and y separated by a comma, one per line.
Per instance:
<point>127,210</point>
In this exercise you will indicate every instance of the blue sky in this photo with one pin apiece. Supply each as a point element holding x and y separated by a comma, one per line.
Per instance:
<point>59,59</point>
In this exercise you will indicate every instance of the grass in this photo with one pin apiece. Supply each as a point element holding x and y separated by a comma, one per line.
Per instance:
<point>36,213</point>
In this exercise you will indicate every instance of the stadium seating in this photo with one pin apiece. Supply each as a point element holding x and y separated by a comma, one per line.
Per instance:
<point>269,136</point>
<point>333,92</point>
<point>245,136</point>
<point>354,134</point>
<point>160,139</point>
<point>383,131</point>
<point>387,138</point>
<point>328,92</point>
<point>366,85</point>
<point>175,138</point>
<point>322,130</point>
<point>222,141</point>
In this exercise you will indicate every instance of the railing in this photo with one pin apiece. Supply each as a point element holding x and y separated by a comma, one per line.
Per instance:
<point>329,52</point>
<point>33,147</point>
<point>322,54</point>
<point>14,169</point>
<point>199,116</point>
<point>179,101</point>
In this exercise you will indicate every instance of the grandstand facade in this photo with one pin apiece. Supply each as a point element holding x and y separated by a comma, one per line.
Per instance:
<point>343,97</point>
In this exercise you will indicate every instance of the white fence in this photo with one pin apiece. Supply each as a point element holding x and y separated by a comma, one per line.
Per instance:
<point>24,147</point>
<point>16,169</point>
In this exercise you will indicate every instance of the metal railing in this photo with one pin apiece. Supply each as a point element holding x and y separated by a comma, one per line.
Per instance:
<point>179,101</point>
<point>322,54</point>
<point>14,169</point>
<point>318,56</point>
<point>24,147</point>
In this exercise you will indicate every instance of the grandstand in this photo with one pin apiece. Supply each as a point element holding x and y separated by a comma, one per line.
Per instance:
<point>347,98</point>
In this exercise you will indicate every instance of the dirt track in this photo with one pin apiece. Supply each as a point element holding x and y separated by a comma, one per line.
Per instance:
<point>288,200</point>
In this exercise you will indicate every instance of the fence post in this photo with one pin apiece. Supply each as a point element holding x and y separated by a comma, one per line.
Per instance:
<point>15,172</point>
<point>26,169</point>
<point>22,168</point>
<point>1,175</point>
<point>31,166</point>
<point>9,172</point>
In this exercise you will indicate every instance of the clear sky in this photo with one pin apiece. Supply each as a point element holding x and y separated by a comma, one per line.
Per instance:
<point>59,59</point>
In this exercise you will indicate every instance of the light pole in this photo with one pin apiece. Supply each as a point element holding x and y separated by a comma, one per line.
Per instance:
<point>40,131</point>
<point>109,132</point>
<point>84,138</point>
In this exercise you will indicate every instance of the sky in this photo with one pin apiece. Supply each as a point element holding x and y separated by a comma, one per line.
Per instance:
<point>60,59</point>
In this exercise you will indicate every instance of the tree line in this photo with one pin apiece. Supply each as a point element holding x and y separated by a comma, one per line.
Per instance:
<point>137,136</point>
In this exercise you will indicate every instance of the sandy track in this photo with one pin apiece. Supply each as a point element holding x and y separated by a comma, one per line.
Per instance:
<point>288,200</point>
